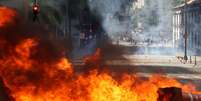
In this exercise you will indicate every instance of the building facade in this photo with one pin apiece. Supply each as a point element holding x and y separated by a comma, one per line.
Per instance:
<point>187,18</point>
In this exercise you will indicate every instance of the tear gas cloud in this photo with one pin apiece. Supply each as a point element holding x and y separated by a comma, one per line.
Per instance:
<point>142,20</point>
<point>154,17</point>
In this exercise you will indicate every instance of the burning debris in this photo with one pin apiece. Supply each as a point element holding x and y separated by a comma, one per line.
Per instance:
<point>176,94</point>
<point>29,78</point>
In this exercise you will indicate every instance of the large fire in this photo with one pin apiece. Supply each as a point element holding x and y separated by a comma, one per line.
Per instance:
<point>29,79</point>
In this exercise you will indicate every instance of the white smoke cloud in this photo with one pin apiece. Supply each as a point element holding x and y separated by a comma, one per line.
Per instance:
<point>110,10</point>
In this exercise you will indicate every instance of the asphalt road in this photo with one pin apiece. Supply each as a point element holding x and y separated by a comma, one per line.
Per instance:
<point>185,73</point>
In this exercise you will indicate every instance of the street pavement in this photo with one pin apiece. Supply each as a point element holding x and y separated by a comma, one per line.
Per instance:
<point>147,65</point>
<point>163,60</point>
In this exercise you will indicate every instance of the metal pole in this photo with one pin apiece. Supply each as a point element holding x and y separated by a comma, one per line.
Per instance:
<point>190,60</point>
<point>35,2</point>
<point>195,60</point>
<point>185,27</point>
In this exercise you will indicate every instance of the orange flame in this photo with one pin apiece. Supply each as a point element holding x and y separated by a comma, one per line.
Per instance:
<point>6,15</point>
<point>58,83</point>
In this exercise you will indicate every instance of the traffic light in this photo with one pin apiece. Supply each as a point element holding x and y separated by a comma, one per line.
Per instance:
<point>35,10</point>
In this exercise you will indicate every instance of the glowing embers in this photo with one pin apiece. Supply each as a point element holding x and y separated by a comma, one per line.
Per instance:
<point>6,15</point>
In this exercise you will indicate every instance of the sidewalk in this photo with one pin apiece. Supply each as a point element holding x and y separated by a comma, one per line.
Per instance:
<point>164,59</point>
<point>149,60</point>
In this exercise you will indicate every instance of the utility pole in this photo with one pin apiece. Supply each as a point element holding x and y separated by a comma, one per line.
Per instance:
<point>185,31</point>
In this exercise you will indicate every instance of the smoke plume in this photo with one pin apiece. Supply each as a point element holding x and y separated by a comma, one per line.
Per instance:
<point>121,16</point>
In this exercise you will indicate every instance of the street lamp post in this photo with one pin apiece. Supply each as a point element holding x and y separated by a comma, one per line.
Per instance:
<point>185,33</point>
